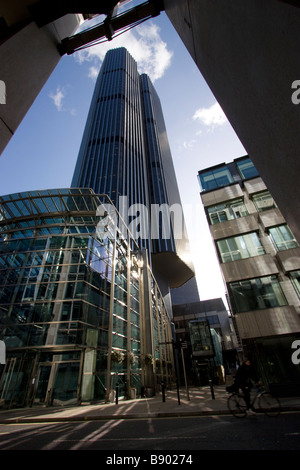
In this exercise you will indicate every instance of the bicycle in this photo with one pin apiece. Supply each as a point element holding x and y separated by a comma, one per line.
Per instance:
<point>266,403</point>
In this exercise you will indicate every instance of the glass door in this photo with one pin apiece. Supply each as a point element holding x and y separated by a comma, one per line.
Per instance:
<point>42,391</point>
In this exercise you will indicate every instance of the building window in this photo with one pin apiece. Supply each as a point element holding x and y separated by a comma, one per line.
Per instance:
<point>295,278</point>
<point>240,247</point>
<point>263,201</point>
<point>215,178</point>
<point>227,211</point>
<point>256,294</point>
<point>247,169</point>
<point>282,237</point>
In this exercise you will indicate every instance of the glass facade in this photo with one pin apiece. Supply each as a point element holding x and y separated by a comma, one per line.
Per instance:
<point>124,151</point>
<point>225,174</point>
<point>69,299</point>
<point>125,154</point>
<point>240,247</point>
<point>255,294</point>
<point>215,178</point>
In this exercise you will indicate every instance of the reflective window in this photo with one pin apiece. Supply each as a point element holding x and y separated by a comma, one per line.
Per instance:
<point>295,278</point>
<point>282,237</point>
<point>263,201</point>
<point>240,247</point>
<point>256,294</point>
<point>226,211</point>
<point>247,169</point>
<point>215,178</point>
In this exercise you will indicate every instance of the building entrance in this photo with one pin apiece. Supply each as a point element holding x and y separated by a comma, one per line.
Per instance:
<point>30,379</point>
<point>57,383</point>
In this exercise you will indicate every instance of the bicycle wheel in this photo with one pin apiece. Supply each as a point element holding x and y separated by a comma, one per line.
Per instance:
<point>269,404</point>
<point>237,405</point>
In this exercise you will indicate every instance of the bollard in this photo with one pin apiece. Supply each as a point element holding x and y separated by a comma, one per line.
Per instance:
<point>163,391</point>
<point>212,389</point>
<point>117,393</point>
<point>178,393</point>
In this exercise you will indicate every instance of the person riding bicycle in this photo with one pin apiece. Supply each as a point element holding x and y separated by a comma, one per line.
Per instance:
<point>244,379</point>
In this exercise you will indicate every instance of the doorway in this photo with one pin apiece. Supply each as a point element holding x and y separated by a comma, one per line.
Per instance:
<point>57,383</point>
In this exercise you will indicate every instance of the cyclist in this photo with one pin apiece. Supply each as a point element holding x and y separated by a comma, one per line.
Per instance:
<point>243,379</point>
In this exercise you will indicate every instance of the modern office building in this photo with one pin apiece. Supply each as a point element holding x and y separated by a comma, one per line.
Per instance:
<point>211,344</point>
<point>80,310</point>
<point>84,293</point>
<point>125,153</point>
<point>260,261</point>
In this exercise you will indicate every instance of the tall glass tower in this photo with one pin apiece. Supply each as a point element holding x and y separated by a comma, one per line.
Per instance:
<point>125,154</point>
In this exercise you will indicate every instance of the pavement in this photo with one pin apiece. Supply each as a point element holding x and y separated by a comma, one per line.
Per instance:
<point>199,401</point>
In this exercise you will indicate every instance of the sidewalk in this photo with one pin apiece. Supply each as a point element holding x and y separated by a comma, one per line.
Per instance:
<point>200,403</point>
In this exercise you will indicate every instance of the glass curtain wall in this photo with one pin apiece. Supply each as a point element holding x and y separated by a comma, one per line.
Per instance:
<point>70,301</point>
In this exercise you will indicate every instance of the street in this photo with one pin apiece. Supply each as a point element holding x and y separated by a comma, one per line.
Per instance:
<point>178,435</point>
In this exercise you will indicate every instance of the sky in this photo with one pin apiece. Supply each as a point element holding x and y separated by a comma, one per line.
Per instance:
<point>43,152</point>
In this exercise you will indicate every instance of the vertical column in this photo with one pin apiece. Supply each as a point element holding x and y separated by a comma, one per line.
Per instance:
<point>147,320</point>
<point>111,319</point>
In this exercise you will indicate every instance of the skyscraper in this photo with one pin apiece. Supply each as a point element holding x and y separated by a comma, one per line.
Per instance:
<point>125,154</point>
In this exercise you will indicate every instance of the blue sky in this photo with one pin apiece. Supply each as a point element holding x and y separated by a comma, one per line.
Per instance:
<point>43,152</point>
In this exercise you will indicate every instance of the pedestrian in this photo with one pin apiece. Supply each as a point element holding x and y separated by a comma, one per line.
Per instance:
<point>244,380</point>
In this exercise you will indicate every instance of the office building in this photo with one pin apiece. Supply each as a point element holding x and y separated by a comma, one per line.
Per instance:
<point>85,294</point>
<point>80,310</point>
<point>125,153</point>
<point>211,344</point>
<point>260,262</point>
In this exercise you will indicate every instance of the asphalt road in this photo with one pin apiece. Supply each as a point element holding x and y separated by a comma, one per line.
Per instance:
<point>180,436</point>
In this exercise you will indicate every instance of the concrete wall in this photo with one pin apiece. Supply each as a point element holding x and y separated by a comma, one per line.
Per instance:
<point>248,52</point>
<point>27,60</point>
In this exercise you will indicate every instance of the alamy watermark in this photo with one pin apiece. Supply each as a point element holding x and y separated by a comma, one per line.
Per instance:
<point>296,354</point>
<point>296,94</point>
<point>2,92</point>
<point>156,222</point>
<point>2,352</point>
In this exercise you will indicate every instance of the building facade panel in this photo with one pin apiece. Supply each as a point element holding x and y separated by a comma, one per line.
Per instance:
<point>221,195</point>
<point>255,185</point>
<point>268,322</point>
<point>234,227</point>
<point>271,218</point>
<point>289,259</point>
<point>263,265</point>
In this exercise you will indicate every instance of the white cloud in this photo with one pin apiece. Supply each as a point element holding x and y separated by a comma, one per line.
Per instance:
<point>211,117</point>
<point>143,43</point>
<point>57,98</point>
<point>189,144</point>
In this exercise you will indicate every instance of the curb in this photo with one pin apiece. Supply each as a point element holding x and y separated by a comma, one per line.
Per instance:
<point>57,419</point>
<point>47,419</point>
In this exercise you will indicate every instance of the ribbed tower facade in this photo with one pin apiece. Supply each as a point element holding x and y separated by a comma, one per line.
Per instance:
<point>112,154</point>
<point>125,154</point>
